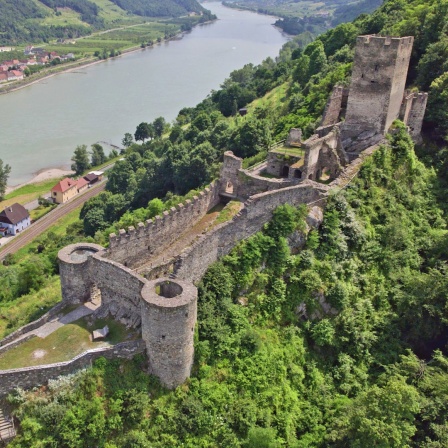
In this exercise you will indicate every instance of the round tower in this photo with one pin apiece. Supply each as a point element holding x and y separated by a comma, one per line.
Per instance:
<point>74,271</point>
<point>169,312</point>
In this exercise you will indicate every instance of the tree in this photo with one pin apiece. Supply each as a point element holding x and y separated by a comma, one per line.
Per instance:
<point>142,132</point>
<point>5,170</point>
<point>80,160</point>
<point>98,156</point>
<point>159,126</point>
<point>127,140</point>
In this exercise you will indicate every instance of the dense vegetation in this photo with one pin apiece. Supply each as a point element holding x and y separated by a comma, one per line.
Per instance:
<point>29,21</point>
<point>89,11</point>
<point>305,16</point>
<point>16,26</point>
<point>342,342</point>
<point>157,8</point>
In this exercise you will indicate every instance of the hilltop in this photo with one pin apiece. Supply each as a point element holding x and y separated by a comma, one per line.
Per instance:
<point>341,340</point>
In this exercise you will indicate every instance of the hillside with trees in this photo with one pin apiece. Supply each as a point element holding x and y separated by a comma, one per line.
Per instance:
<point>339,343</point>
<point>308,16</point>
<point>25,21</point>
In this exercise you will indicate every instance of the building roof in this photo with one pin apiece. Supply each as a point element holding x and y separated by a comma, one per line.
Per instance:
<point>14,214</point>
<point>98,173</point>
<point>91,177</point>
<point>64,185</point>
<point>81,182</point>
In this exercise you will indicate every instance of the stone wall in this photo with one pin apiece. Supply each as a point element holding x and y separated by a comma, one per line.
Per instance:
<point>324,154</point>
<point>333,109</point>
<point>138,245</point>
<point>120,290</point>
<point>51,314</point>
<point>28,377</point>
<point>169,313</point>
<point>194,261</point>
<point>377,86</point>
<point>416,115</point>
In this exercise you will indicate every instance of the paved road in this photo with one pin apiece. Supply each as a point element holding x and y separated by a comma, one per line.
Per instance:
<point>48,220</point>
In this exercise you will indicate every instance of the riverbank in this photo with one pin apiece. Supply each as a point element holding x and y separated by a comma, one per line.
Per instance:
<point>87,62</point>
<point>42,176</point>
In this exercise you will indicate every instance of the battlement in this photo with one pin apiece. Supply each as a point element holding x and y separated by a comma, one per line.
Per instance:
<point>151,237</point>
<point>384,41</point>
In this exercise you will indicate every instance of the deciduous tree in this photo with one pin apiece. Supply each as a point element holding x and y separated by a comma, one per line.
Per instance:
<point>5,170</point>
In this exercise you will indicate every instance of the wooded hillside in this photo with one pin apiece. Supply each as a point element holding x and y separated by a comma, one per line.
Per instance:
<point>274,367</point>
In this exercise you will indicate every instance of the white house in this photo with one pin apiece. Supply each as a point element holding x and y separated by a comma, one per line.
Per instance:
<point>14,219</point>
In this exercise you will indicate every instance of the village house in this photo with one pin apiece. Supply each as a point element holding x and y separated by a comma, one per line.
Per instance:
<point>15,75</point>
<point>3,77</point>
<point>14,219</point>
<point>82,184</point>
<point>5,49</point>
<point>64,190</point>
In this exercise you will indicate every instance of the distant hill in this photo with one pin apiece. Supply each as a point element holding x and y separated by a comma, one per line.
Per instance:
<point>307,16</point>
<point>159,8</point>
<point>40,20</point>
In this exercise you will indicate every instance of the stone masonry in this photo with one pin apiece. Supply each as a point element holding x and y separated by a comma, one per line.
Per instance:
<point>165,308</point>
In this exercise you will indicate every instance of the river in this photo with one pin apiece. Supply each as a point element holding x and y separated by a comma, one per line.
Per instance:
<point>42,124</point>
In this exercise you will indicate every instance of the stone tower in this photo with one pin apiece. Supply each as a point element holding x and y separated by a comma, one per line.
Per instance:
<point>377,86</point>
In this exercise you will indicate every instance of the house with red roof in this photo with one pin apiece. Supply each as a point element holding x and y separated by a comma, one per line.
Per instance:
<point>64,190</point>
<point>82,184</point>
<point>3,77</point>
<point>14,219</point>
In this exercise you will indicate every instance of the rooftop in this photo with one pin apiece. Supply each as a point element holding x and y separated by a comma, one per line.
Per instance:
<point>14,214</point>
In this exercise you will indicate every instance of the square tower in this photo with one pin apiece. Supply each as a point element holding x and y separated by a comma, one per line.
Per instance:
<point>377,86</point>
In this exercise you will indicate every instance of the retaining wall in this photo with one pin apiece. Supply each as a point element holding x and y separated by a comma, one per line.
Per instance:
<point>35,376</point>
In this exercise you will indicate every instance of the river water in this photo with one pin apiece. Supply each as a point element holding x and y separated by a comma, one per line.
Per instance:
<point>41,125</point>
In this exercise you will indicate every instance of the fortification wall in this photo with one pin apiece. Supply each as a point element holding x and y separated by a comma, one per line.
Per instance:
<point>35,376</point>
<point>398,86</point>
<point>120,290</point>
<point>333,107</point>
<point>169,314</point>
<point>138,245</point>
<point>194,261</point>
<point>377,85</point>
<point>416,115</point>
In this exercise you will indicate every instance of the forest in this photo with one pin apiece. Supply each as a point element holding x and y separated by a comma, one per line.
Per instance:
<point>340,342</point>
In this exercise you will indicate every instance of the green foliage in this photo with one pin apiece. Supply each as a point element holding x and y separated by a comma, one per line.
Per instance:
<point>80,160</point>
<point>5,170</point>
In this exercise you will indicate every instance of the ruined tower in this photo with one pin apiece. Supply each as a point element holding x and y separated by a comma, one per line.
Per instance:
<point>377,86</point>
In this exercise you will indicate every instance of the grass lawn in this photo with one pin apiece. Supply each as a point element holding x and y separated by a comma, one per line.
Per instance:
<point>228,212</point>
<point>64,344</point>
<point>289,151</point>
<point>40,211</point>
<point>28,193</point>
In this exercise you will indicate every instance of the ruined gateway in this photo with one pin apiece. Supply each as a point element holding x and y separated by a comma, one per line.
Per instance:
<point>146,284</point>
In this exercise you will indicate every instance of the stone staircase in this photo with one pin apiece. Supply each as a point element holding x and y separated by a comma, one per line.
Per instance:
<point>7,430</point>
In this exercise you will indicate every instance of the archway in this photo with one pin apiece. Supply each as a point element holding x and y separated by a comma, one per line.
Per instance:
<point>229,188</point>
<point>310,176</point>
<point>285,171</point>
<point>95,295</point>
<point>298,174</point>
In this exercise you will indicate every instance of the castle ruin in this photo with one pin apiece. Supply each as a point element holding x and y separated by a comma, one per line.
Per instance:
<point>146,279</point>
